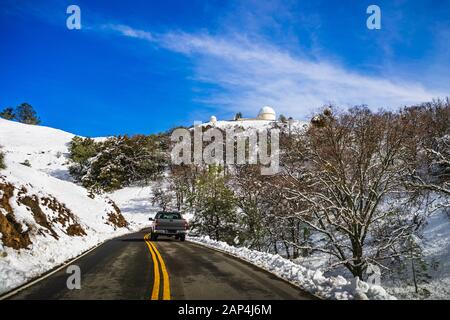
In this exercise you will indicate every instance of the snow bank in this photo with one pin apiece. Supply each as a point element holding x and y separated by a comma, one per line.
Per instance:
<point>312,281</point>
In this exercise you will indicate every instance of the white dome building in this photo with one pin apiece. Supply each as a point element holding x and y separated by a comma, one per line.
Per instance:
<point>267,113</point>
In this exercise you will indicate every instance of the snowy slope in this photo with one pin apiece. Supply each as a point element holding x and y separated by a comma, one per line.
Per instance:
<point>436,250</point>
<point>436,244</point>
<point>135,203</point>
<point>43,147</point>
<point>46,219</point>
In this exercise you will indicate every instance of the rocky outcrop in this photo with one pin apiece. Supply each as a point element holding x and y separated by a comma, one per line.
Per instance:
<point>12,233</point>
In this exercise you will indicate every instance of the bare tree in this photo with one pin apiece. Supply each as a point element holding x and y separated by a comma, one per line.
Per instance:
<point>346,174</point>
<point>161,196</point>
<point>428,153</point>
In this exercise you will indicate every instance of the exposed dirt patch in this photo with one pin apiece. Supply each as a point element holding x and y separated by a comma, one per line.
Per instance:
<point>7,191</point>
<point>75,230</point>
<point>12,234</point>
<point>32,202</point>
<point>115,217</point>
<point>65,217</point>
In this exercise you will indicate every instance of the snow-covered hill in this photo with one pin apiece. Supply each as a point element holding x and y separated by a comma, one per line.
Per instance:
<point>43,147</point>
<point>45,218</point>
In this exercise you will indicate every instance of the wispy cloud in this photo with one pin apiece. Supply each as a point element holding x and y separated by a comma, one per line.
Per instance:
<point>130,32</point>
<point>254,74</point>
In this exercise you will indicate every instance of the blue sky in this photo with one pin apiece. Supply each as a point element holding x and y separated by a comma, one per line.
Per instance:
<point>146,66</point>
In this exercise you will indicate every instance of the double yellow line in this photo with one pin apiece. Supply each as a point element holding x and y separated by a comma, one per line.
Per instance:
<point>156,256</point>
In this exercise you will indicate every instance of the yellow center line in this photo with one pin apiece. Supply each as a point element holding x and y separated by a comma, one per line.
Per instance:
<point>166,282</point>
<point>156,280</point>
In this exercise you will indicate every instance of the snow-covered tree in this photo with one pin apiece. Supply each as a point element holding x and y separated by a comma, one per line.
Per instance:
<point>161,196</point>
<point>345,174</point>
<point>117,162</point>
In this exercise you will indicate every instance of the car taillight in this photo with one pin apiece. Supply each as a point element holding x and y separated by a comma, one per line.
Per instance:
<point>186,225</point>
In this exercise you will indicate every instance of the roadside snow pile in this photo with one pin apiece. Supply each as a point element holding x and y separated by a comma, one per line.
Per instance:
<point>312,281</point>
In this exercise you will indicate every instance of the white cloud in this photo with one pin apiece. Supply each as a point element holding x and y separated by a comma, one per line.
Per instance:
<point>130,32</point>
<point>255,74</point>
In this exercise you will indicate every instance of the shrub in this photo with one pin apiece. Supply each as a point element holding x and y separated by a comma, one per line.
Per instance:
<point>26,163</point>
<point>2,161</point>
<point>116,162</point>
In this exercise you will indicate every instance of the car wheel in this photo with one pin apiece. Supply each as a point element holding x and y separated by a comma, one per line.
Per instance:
<point>182,238</point>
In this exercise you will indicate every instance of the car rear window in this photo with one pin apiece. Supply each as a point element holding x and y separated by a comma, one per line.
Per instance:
<point>168,215</point>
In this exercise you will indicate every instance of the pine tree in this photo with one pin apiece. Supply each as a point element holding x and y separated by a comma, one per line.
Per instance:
<point>8,114</point>
<point>26,114</point>
<point>81,150</point>
<point>214,206</point>
<point>419,267</point>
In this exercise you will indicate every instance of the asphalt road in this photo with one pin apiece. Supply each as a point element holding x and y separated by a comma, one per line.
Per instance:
<point>131,267</point>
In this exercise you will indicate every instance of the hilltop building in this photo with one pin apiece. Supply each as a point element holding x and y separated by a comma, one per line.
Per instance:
<point>266,113</point>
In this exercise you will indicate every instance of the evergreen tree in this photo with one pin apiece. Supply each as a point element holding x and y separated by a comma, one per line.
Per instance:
<point>2,160</point>
<point>116,162</point>
<point>8,114</point>
<point>81,150</point>
<point>419,267</point>
<point>26,114</point>
<point>238,116</point>
<point>214,206</point>
<point>282,118</point>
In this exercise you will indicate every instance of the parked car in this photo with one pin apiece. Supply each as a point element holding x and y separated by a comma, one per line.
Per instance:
<point>169,223</point>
